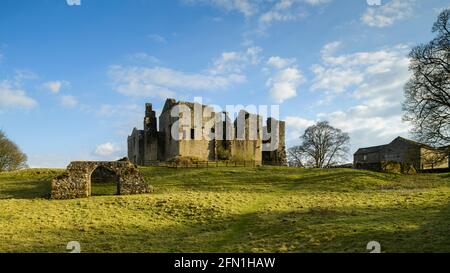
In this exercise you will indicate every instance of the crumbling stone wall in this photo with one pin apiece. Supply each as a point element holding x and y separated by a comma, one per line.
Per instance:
<point>388,167</point>
<point>76,181</point>
<point>156,143</point>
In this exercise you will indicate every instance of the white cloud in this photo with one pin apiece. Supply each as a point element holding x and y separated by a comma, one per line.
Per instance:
<point>162,82</point>
<point>121,117</point>
<point>275,15</point>
<point>335,79</point>
<point>279,62</point>
<point>282,11</point>
<point>361,70</point>
<point>141,81</point>
<point>296,127</point>
<point>68,101</point>
<point>246,7</point>
<point>286,79</point>
<point>317,2</point>
<point>23,74</point>
<point>73,2</point>
<point>284,84</point>
<point>55,86</point>
<point>12,95</point>
<point>157,38</point>
<point>143,57</point>
<point>386,15</point>
<point>368,125</point>
<point>373,82</point>
<point>107,149</point>
<point>235,62</point>
<point>267,11</point>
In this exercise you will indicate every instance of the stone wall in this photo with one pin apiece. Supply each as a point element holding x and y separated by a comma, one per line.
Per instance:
<point>387,167</point>
<point>420,156</point>
<point>76,181</point>
<point>432,159</point>
<point>203,150</point>
<point>136,146</point>
<point>248,150</point>
<point>196,139</point>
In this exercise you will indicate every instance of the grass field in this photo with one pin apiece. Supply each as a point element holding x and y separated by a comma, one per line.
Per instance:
<point>267,209</point>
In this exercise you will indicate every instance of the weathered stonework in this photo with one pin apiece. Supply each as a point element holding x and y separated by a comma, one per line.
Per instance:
<point>400,150</point>
<point>76,181</point>
<point>179,135</point>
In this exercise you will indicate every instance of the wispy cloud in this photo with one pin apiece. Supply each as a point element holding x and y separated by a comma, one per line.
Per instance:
<point>246,7</point>
<point>121,117</point>
<point>55,86</point>
<point>142,57</point>
<point>279,62</point>
<point>296,127</point>
<point>284,10</point>
<point>107,149</point>
<point>143,81</point>
<point>266,11</point>
<point>340,73</point>
<point>12,95</point>
<point>73,2</point>
<point>373,81</point>
<point>387,14</point>
<point>234,62</point>
<point>162,82</point>
<point>68,101</point>
<point>157,38</point>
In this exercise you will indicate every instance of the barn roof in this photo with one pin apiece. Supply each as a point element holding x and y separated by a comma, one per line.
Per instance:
<point>370,150</point>
<point>412,142</point>
<point>376,149</point>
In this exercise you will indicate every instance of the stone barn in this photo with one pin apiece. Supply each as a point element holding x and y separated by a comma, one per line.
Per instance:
<point>404,151</point>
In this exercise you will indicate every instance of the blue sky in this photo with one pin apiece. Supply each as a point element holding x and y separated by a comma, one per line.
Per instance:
<point>75,74</point>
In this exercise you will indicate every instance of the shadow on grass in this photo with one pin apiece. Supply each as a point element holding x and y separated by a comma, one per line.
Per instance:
<point>104,189</point>
<point>272,179</point>
<point>25,189</point>
<point>432,236</point>
<point>319,229</point>
<point>323,230</point>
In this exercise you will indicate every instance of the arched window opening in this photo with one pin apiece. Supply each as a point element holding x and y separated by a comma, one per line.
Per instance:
<point>104,182</point>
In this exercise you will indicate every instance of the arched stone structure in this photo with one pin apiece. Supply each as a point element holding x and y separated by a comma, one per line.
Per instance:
<point>76,181</point>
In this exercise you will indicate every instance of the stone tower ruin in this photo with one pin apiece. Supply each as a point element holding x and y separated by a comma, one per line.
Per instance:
<point>194,130</point>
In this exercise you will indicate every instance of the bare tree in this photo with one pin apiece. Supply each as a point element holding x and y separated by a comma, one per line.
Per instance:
<point>11,157</point>
<point>323,146</point>
<point>427,104</point>
<point>296,157</point>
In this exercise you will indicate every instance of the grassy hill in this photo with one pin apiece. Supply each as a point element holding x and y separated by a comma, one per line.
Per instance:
<point>267,209</point>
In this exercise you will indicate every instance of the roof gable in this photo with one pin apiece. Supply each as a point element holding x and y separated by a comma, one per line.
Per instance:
<point>369,150</point>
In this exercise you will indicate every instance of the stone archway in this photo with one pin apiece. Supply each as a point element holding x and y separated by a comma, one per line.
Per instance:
<point>104,181</point>
<point>76,181</point>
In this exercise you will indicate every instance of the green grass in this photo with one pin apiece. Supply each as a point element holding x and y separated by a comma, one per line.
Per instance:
<point>104,188</point>
<point>267,209</point>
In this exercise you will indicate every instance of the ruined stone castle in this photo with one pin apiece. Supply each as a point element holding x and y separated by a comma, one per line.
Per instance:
<point>194,130</point>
